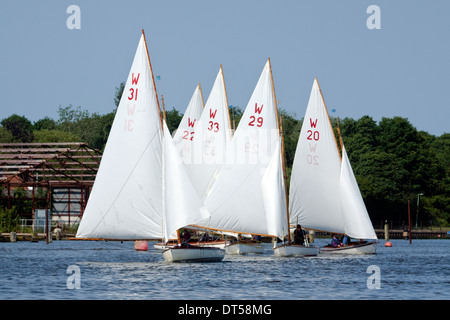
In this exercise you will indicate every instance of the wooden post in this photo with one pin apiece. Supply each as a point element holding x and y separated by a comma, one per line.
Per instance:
<point>386,231</point>
<point>9,197</point>
<point>47,227</point>
<point>409,221</point>
<point>12,236</point>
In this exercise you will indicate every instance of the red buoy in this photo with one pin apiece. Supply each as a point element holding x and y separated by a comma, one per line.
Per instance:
<point>140,245</point>
<point>388,244</point>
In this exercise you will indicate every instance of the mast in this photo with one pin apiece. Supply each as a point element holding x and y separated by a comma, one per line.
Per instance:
<point>323,100</point>
<point>162,131</point>
<point>153,79</point>
<point>164,109</point>
<point>226,97</point>
<point>283,154</point>
<point>283,157</point>
<point>201,95</point>
<point>339,133</point>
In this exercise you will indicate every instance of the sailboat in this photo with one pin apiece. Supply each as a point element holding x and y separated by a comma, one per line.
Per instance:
<point>141,191</point>
<point>184,135</point>
<point>212,136</point>
<point>324,195</point>
<point>241,200</point>
<point>289,249</point>
<point>204,150</point>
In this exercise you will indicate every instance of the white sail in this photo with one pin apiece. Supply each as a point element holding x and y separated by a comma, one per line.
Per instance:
<point>212,136</point>
<point>125,202</point>
<point>357,221</point>
<point>274,196</point>
<point>184,136</point>
<point>181,203</point>
<point>236,200</point>
<point>314,195</point>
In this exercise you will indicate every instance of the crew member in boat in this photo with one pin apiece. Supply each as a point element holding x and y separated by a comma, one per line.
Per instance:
<point>335,243</point>
<point>186,236</point>
<point>299,237</point>
<point>205,237</point>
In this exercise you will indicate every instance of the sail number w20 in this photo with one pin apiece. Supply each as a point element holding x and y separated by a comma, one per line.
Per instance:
<point>312,135</point>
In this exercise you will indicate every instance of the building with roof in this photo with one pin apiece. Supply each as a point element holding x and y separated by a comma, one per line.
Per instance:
<point>48,176</point>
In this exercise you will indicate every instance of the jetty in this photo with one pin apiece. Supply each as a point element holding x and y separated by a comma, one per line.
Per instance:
<point>21,236</point>
<point>415,234</point>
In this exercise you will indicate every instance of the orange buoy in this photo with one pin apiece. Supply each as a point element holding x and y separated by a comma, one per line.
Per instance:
<point>140,245</point>
<point>388,244</point>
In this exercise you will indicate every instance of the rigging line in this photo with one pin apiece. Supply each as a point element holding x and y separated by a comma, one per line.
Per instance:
<point>126,181</point>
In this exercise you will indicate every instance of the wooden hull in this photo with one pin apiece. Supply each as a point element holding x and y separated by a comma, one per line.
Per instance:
<point>295,250</point>
<point>193,254</point>
<point>244,248</point>
<point>363,248</point>
<point>221,244</point>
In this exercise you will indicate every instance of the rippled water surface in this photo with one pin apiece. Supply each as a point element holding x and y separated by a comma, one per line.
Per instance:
<point>114,270</point>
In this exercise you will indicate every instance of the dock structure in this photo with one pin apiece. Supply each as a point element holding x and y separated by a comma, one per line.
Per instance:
<point>415,234</point>
<point>57,177</point>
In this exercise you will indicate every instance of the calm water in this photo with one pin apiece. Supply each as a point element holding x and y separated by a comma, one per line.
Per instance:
<point>114,270</point>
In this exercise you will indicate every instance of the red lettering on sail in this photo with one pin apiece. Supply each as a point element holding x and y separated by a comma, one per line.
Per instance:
<point>129,125</point>
<point>313,124</point>
<point>258,110</point>
<point>134,81</point>
<point>130,111</point>
<point>191,124</point>
<point>133,94</point>
<point>313,135</point>
<point>260,121</point>
<point>211,114</point>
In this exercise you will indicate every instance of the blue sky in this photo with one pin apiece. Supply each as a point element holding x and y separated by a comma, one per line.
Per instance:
<point>402,69</point>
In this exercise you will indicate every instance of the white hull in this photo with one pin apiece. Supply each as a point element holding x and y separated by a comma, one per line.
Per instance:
<point>244,248</point>
<point>193,254</point>
<point>364,248</point>
<point>210,244</point>
<point>290,250</point>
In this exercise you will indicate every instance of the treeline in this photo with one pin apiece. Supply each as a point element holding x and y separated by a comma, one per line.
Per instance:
<point>391,159</point>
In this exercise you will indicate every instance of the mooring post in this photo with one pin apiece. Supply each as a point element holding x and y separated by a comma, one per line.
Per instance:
<point>12,236</point>
<point>386,231</point>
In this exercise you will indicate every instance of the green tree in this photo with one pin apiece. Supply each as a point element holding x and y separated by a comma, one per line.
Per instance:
<point>9,219</point>
<point>173,119</point>
<point>45,123</point>
<point>20,128</point>
<point>46,135</point>
<point>118,94</point>
<point>5,136</point>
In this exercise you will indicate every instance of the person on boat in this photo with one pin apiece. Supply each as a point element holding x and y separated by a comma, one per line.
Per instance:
<point>186,237</point>
<point>205,237</point>
<point>345,240</point>
<point>335,243</point>
<point>299,237</point>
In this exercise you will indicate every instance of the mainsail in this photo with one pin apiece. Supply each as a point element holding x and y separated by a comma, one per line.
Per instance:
<point>238,200</point>
<point>184,136</point>
<point>212,136</point>
<point>125,202</point>
<point>141,190</point>
<point>314,200</point>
